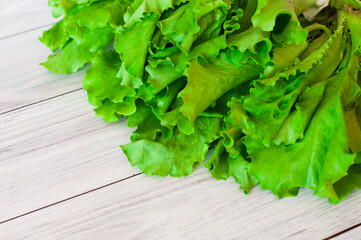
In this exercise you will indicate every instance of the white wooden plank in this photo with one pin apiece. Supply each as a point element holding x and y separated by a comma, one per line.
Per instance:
<point>353,234</point>
<point>22,80</point>
<point>22,15</point>
<point>55,150</point>
<point>195,207</point>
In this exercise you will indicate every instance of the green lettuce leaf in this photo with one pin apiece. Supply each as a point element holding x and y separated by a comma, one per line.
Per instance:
<point>353,24</point>
<point>253,43</point>
<point>353,130</point>
<point>175,156</point>
<point>280,16</point>
<point>104,89</point>
<point>284,58</point>
<point>295,124</point>
<point>175,64</point>
<point>321,158</point>
<point>76,53</point>
<point>222,165</point>
<point>148,125</point>
<point>206,83</point>
<point>263,112</point>
<point>56,37</point>
<point>194,22</point>
<point>352,3</point>
<point>100,14</point>
<point>347,184</point>
<point>134,53</point>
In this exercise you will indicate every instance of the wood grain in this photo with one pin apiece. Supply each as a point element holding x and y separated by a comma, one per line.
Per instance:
<point>23,80</point>
<point>195,207</point>
<point>54,150</point>
<point>23,15</point>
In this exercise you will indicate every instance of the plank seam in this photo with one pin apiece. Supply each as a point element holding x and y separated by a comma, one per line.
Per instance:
<point>55,143</point>
<point>69,198</point>
<point>26,31</point>
<point>40,101</point>
<point>343,231</point>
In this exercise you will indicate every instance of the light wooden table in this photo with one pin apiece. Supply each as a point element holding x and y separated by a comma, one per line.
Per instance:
<point>63,176</point>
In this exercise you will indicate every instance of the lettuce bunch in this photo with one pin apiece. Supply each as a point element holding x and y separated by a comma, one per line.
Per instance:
<point>276,95</point>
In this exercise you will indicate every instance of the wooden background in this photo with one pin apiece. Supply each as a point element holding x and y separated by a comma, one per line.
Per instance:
<point>63,176</point>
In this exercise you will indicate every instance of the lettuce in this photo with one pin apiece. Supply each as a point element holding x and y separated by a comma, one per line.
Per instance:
<point>275,94</point>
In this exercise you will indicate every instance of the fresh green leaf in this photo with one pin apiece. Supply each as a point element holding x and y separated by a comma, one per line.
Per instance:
<point>175,156</point>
